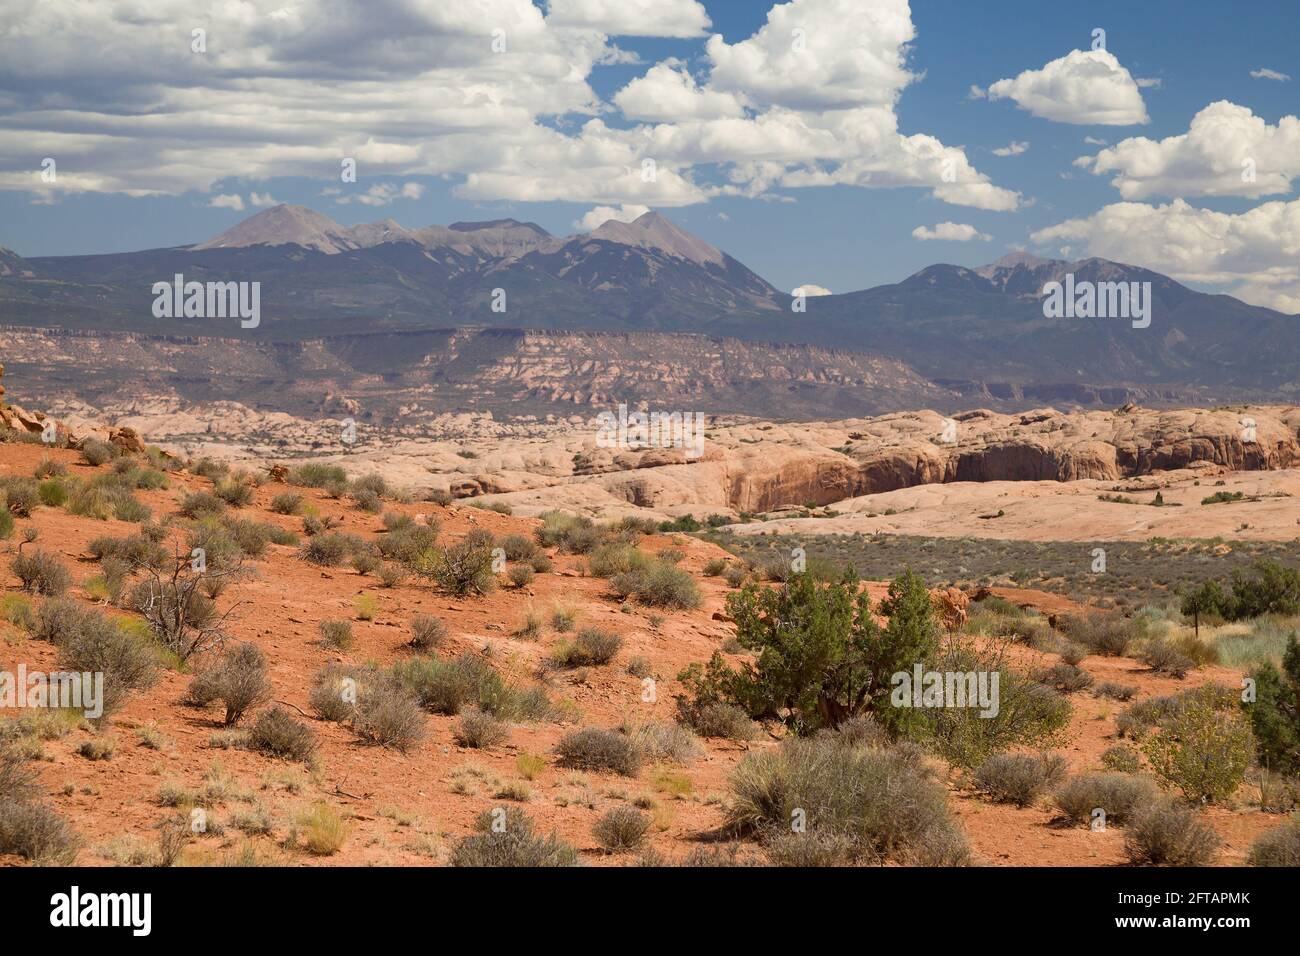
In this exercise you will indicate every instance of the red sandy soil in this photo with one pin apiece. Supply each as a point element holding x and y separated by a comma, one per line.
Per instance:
<point>401,808</point>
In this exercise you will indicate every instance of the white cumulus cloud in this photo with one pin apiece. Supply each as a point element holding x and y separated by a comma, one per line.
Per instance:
<point>640,18</point>
<point>411,88</point>
<point>1257,250</point>
<point>1264,73</point>
<point>667,92</point>
<point>1227,151</point>
<point>603,214</point>
<point>949,232</point>
<point>230,201</point>
<point>381,194</point>
<point>1084,87</point>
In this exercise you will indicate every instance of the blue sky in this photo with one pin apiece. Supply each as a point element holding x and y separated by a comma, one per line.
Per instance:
<point>1183,57</point>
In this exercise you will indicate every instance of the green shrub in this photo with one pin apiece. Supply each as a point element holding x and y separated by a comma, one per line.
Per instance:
<point>1274,589</point>
<point>444,687</point>
<point>714,567</point>
<point>818,647</point>
<point>521,575</point>
<point>1203,750</point>
<point>53,493</point>
<point>1166,834</point>
<point>1019,778</point>
<point>17,610</point>
<point>1275,713</point>
<point>6,523</point>
<point>1122,759</point>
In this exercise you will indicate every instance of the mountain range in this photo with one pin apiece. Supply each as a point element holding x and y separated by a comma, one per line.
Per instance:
<point>980,332</point>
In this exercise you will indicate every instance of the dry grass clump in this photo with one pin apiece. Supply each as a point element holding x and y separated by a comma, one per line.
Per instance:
<point>593,748</point>
<point>591,646</point>
<point>379,708</point>
<point>661,740</point>
<point>28,827</point>
<point>336,634</point>
<point>1118,795</point>
<point>1107,634</point>
<point>658,584</point>
<point>1019,778</point>
<point>855,802</point>
<point>1166,833</point>
<point>277,733</point>
<point>238,679</point>
<point>1278,847</point>
<point>480,731</point>
<point>621,829</point>
<point>41,572</point>
<point>506,837</point>
<point>427,633</point>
